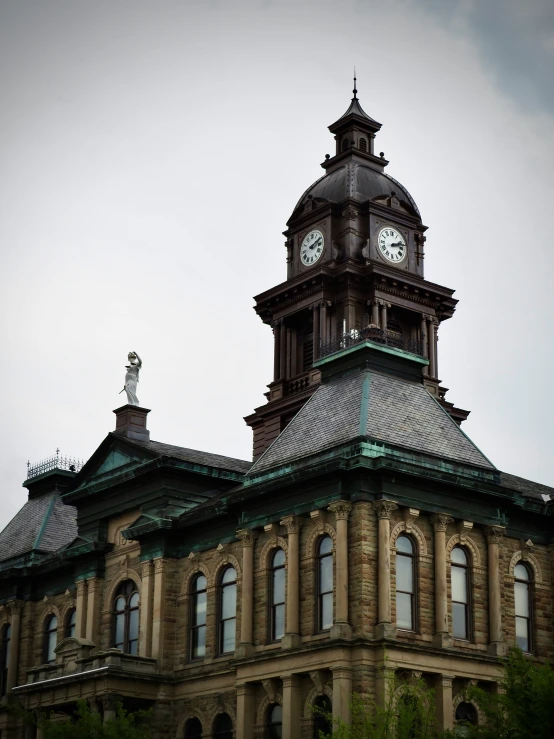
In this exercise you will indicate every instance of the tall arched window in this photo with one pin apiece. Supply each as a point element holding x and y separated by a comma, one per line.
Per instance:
<point>325,583</point>
<point>522,596</point>
<point>50,639</point>
<point>5,637</point>
<point>274,725</point>
<point>70,622</point>
<point>223,727</point>
<point>227,610</point>
<point>405,583</point>
<point>322,722</point>
<point>460,593</point>
<point>198,603</point>
<point>277,596</point>
<point>193,729</point>
<point>363,144</point>
<point>126,618</point>
<point>466,716</point>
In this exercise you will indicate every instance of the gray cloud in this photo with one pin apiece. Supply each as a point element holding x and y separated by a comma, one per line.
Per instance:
<point>514,39</point>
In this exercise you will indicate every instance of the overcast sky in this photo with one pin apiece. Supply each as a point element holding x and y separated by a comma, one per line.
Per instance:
<point>151,153</point>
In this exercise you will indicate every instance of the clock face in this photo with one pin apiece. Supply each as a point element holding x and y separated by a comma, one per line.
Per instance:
<point>312,247</point>
<point>391,244</point>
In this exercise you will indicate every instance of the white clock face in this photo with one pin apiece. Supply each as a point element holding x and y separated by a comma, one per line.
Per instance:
<point>391,244</point>
<point>312,247</point>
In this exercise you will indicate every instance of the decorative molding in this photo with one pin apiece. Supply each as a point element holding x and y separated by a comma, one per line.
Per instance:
<point>468,544</point>
<point>319,517</point>
<point>440,521</point>
<point>315,535</point>
<point>197,567</point>
<point>341,509</point>
<point>247,536</point>
<point>384,508</point>
<point>494,534</point>
<point>529,559</point>
<point>269,547</point>
<point>414,531</point>
<point>293,524</point>
<point>271,687</point>
<point>464,528</point>
<point>227,561</point>
<point>272,529</point>
<point>409,515</point>
<point>318,679</point>
<point>312,695</point>
<point>264,705</point>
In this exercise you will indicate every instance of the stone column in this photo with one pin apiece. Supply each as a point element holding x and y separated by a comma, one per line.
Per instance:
<point>424,344</point>
<point>292,634</point>
<point>385,684</point>
<point>435,345</point>
<point>494,536</point>
<point>81,609</point>
<point>441,637</point>
<point>158,609</point>
<point>341,627</point>
<point>323,322</point>
<point>443,702</point>
<point>282,350</point>
<point>288,350</point>
<point>383,323</point>
<point>342,693</point>
<point>246,646</point>
<point>40,733</point>
<point>246,709</point>
<point>109,704</point>
<point>276,350</point>
<point>431,347</point>
<point>94,585</point>
<point>375,312</point>
<point>145,635</point>
<point>291,706</point>
<point>384,628</point>
<point>315,332</point>
<point>16,609</point>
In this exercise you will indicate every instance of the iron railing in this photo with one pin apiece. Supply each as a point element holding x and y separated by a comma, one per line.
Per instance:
<point>370,333</point>
<point>57,462</point>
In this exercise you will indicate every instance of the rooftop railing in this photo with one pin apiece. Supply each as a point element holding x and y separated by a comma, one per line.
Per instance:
<point>56,462</point>
<point>374,334</point>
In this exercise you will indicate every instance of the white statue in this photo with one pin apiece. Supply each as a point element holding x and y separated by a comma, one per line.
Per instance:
<point>131,378</point>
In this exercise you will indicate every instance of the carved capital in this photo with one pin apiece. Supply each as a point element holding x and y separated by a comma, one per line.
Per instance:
<point>16,607</point>
<point>293,524</point>
<point>81,587</point>
<point>384,508</point>
<point>341,509</point>
<point>93,584</point>
<point>159,565</point>
<point>494,534</point>
<point>247,536</point>
<point>146,568</point>
<point>440,521</point>
<point>109,702</point>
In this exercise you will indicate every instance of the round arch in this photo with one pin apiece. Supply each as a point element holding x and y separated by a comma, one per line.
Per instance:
<point>214,713</point>
<point>312,695</point>
<point>127,574</point>
<point>228,561</point>
<point>199,568</point>
<point>468,544</point>
<point>461,698</point>
<point>317,533</point>
<point>529,559</point>
<point>264,705</point>
<point>268,549</point>
<point>191,713</point>
<point>413,531</point>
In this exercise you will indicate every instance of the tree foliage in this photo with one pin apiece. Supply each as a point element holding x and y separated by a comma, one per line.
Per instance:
<point>88,724</point>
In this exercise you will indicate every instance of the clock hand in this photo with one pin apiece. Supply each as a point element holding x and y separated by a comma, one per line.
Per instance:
<point>397,243</point>
<point>313,246</point>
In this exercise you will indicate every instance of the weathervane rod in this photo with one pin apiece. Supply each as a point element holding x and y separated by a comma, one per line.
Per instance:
<point>354,90</point>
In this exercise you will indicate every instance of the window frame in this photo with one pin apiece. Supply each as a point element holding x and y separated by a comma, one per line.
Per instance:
<point>47,638</point>
<point>220,619</point>
<point>221,732</point>
<point>5,645</point>
<point>193,605</point>
<point>271,600</point>
<point>413,595</point>
<point>127,610</point>
<point>320,594</point>
<point>270,724</point>
<point>468,604</point>
<point>530,593</point>
<point>188,728</point>
<point>71,614</point>
<point>320,722</point>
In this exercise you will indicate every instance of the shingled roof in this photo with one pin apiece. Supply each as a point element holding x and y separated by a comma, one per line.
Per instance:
<point>377,406</point>
<point>44,525</point>
<point>194,456</point>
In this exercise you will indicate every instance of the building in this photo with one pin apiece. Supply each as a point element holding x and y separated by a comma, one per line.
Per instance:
<point>369,538</point>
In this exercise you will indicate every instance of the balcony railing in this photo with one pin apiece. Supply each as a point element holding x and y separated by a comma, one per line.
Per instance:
<point>374,334</point>
<point>56,462</point>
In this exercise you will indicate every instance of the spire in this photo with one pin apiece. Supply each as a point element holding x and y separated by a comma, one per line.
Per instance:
<point>354,90</point>
<point>355,112</point>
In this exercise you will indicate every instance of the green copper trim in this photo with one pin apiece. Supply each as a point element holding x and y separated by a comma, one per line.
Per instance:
<point>364,410</point>
<point>371,345</point>
<point>45,522</point>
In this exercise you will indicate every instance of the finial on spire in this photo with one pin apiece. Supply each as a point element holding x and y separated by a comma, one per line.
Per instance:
<point>354,90</point>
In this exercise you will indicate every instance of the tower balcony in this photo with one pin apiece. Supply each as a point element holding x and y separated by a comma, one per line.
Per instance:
<point>374,334</point>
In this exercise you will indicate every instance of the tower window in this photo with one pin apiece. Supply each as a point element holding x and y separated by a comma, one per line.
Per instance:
<point>522,596</point>
<point>405,583</point>
<point>198,602</point>
<point>325,583</point>
<point>460,593</point>
<point>277,596</point>
<point>126,618</point>
<point>345,144</point>
<point>227,610</point>
<point>363,145</point>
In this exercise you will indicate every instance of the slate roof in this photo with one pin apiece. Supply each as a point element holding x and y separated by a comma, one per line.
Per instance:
<point>194,456</point>
<point>377,406</point>
<point>527,488</point>
<point>44,524</point>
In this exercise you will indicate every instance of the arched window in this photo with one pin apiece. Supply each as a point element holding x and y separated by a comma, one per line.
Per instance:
<point>363,144</point>
<point>227,610</point>
<point>193,729</point>
<point>70,622</point>
<point>274,726</point>
<point>325,583</point>
<point>405,583</point>
<point>5,637</point>
<point>322,721</point>
<point>198,603</point>
<point>460,593</point>
<point>277,596</point>
<point>466,716</point>
<point>522,596</point>
<point>50,639</point>
<point>126,618</point>
<point>223,727</point>
<point>345,144</point>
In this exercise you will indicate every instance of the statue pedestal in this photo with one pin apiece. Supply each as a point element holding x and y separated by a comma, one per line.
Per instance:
<point>130,421</point>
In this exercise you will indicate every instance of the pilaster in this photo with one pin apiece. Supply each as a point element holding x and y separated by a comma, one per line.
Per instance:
<point>341,628</point>
<point>441,637</point>
<point>384,628</point>
<point>292,635</point>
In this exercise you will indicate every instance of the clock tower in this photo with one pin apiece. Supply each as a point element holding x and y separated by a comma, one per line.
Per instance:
<point>355,269</point>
